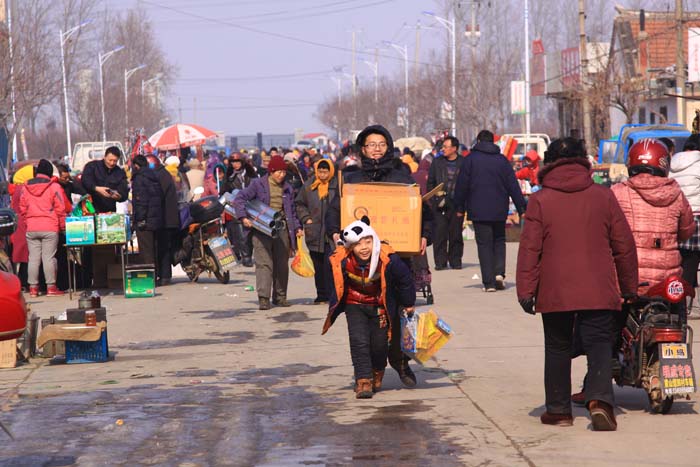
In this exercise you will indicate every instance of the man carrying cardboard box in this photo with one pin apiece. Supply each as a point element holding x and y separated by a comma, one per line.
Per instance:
<point>379,165</point>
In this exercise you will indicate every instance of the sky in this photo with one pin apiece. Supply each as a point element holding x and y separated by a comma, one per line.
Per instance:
<point>265,65</point>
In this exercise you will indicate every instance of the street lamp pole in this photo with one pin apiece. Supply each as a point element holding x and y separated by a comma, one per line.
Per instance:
<point>102,58</point>
<point>64,36</point>
<point>403,50</point>
<point>451,28</point>
<point>127,75</point>
<point>145,83</point>
<point>374,66</point>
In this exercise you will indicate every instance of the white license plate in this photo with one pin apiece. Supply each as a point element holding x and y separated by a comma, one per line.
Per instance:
<point>674,351</point>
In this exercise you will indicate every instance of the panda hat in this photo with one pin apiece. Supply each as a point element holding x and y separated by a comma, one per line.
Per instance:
<point>358,230</point>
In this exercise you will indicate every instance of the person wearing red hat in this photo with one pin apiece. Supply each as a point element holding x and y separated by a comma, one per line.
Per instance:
<point>530,169</point>
<point>271,254</point>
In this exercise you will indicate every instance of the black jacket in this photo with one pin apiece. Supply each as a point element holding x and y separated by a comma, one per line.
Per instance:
<point>438,175</point>
<point>308,206</point>
<point>147,200</point>
<point>96,173</point>
<point>486,181</point>
<point>169,203</point>
<point>238,181</point>
<point>386,169</point>
<point>74,186</point>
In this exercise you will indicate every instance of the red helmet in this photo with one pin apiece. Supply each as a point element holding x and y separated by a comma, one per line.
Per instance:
<point>650,156</point>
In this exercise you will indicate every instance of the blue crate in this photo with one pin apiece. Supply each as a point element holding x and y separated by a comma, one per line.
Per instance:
<point>88,352</point>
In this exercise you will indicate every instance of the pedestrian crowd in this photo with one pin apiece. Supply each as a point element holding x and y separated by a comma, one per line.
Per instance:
<point>583,248</point>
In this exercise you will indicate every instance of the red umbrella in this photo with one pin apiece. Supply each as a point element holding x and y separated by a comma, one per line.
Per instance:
<point>180,135</point>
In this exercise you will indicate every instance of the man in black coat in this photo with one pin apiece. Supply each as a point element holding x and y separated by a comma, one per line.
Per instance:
<point>105,181</point>
<point>166,236</point>
<point>147,208</point>
<point>69,184</point>
<point>486,181</point>
<point>448,244</point>
<point>380,165</point>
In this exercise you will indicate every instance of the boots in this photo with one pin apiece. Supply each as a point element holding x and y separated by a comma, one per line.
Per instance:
<point>247,261</point>
<point>363,389</point>
<point>602,416</point>
<point>264,303</point>
<point>52,291</point>
<point>406,375</point>
<point>377,376</point>
<point>33,290</point>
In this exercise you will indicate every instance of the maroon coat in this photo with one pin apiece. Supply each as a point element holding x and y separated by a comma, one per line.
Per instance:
<point>576,251</point>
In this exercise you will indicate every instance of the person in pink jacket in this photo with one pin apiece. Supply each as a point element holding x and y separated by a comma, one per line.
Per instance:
<point>657,211</point>
<point>42,205</point>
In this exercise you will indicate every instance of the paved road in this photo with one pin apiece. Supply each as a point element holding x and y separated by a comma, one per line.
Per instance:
<point>201,377</point>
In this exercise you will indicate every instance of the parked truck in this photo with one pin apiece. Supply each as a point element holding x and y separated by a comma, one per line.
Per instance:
<point>615,150</point>
<point>90,151</point>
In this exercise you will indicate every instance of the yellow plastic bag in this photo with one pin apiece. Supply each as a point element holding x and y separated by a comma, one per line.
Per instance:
<point>302,264</point>
<point>423,334</point>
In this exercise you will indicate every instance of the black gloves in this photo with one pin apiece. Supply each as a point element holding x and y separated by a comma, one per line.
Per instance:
<point>528,305</point>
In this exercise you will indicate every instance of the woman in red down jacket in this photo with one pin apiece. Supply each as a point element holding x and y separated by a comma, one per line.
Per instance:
<point>657,211</point>
<point>576,260</point>
<point>43,206</point>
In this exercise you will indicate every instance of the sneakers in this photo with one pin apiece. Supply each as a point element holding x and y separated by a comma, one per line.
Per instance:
<point>52,291</point>
<point>557,419</point>
<point>320,301</point>
<point>377,376</point>
<point>33,291</point>
<point>602,416</point>
<point>282,302</point>
<point>488,289</point>
<point>500,282</point>
<point>363,389</point>
<point>264,303</point>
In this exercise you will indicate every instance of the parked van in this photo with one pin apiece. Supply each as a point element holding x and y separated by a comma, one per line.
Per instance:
<point>90,151</point>
<point>537,141</point>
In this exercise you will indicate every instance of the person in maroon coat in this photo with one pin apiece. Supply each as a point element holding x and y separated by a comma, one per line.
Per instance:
<point>577,258</point>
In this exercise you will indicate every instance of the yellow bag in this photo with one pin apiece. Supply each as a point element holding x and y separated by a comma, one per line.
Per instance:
<point>302,264</point>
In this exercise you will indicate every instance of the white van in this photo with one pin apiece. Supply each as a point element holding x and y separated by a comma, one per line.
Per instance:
<point>90,151</point>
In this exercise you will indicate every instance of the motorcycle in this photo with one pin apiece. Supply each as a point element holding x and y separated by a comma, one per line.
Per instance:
<point>205,247</point>
<point>656,345</point>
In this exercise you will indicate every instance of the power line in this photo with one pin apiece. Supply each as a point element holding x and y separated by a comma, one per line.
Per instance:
<point>254,107</point>
<point>279,35</point>
<point>256,78</point>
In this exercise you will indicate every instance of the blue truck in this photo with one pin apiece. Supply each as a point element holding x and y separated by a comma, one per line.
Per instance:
<point>615,150</point>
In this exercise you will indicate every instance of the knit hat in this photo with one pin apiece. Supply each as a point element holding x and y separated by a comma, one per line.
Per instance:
<point>276,163</point>
<point>44,168</point>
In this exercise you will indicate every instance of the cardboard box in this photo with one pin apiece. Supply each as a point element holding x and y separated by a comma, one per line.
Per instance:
<point>394,211</point>
<point>114,276</point>
<point>112,228</point>
<point>8,353</point>
<point>140,282</point>
<point>80,230</point>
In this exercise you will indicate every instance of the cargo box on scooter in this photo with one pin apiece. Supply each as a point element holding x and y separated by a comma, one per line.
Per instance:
<point>206,209</point>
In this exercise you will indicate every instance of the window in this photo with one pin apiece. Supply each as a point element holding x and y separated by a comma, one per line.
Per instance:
<point>642,115</point>
<point>663,110</point>
<point>652,117</point>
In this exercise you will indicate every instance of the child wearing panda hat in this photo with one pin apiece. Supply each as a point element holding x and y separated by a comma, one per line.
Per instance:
<point>370,284</point>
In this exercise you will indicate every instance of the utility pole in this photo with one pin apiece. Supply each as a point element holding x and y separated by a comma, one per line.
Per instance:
<point>583,53</point>
<point>10,7</point>
<point>416,54</point>
<point>527,69</point>
<point>680,64</point>
<point>354,79</point>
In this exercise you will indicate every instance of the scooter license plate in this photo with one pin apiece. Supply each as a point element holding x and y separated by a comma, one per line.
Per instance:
<point>676,369</point>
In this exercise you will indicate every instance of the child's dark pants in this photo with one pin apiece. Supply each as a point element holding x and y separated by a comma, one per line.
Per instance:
<point>368,339</point>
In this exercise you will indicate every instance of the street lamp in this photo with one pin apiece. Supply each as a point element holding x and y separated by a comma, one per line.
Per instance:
<point>403,50</point>
<point>127,75</point>
<point>64,36</point>
<point>450,26</point>
<point>145,83</point>
<point>374,66</point>
<point>102,58</point>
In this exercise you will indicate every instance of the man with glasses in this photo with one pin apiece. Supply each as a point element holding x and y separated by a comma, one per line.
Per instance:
<point>486,181</point>
<point>448,244</point>
<point>380,165</point>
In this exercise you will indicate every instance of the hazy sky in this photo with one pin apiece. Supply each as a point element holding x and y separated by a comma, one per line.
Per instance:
<point>272,80</point>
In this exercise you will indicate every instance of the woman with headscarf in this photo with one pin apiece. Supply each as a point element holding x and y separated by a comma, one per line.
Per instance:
<point>311,205</point>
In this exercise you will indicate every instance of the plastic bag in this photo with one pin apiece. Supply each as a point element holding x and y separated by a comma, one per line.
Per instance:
<point>423,334</point>
<point>302,264</point>
<point>83,207</point>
